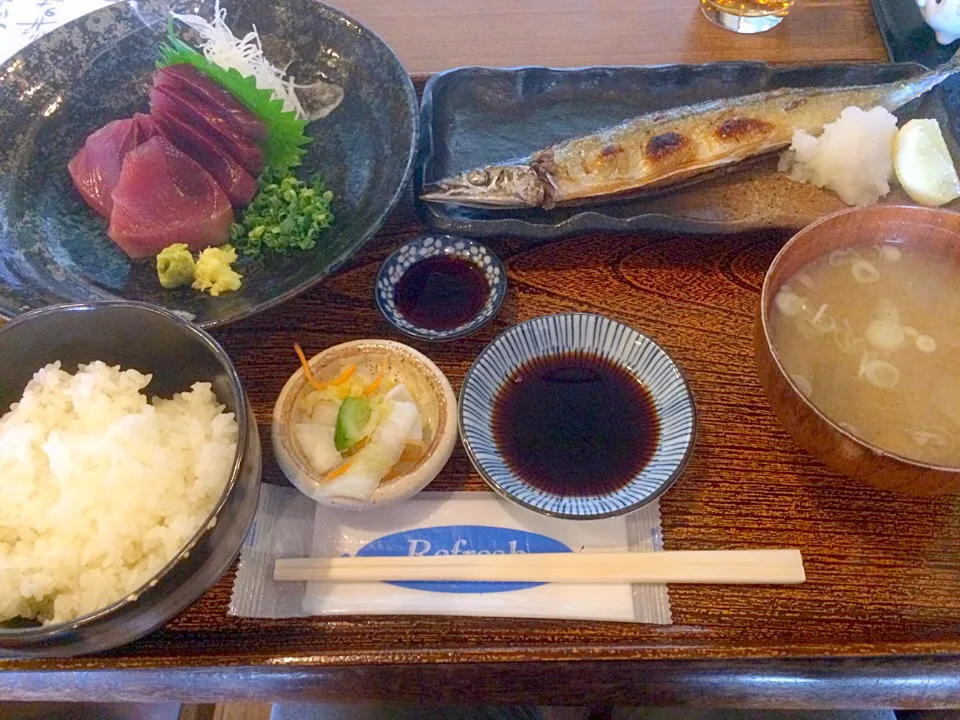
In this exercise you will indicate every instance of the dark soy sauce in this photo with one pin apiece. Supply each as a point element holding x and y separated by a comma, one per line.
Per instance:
<point>575,424</point>
<point>441,292</point>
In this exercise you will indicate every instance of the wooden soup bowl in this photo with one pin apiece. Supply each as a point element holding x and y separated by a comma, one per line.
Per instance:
<point>936,231</point>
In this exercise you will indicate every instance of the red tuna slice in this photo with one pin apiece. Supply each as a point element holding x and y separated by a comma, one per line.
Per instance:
<point>186,78</point>
<point>95,169</point>
<point>164,197</point>
<point>237,183</point>
<point>146,127</point>
<point>200,115</point>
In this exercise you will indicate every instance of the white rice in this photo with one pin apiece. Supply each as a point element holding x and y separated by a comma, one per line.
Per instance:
<point>101,488</point>
<point>853,157</point>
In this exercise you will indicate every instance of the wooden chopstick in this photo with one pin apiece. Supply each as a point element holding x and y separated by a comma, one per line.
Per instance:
<point>690,566</point>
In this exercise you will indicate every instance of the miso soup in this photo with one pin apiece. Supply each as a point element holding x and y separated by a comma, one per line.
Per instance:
<point>871,336</point>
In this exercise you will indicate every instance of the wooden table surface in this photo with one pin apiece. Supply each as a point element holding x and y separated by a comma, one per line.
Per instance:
<point>876,624</point>
<point>572,33</point>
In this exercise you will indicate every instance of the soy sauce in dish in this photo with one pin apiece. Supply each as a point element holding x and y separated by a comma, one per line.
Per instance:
<point>441,292</point>
<point>575,424</point>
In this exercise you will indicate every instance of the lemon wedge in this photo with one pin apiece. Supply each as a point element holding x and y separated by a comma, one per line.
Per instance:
<point>923,163</point>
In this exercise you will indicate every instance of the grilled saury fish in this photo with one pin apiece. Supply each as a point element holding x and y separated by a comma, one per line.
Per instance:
<point>669,146</point>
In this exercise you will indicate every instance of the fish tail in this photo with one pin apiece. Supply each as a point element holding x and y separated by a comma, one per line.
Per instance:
<point>906,90</point>
<point>954,62</point>
<point>939,74</point>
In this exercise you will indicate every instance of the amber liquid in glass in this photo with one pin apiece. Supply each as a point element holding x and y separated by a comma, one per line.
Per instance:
<point>746,16</point>
<point>751,8</point>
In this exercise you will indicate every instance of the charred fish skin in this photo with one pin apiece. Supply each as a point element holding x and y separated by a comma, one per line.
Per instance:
<point>666,147</point>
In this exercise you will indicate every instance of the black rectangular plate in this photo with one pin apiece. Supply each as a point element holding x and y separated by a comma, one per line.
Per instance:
<point>479,116</point>
<point>907,36</point>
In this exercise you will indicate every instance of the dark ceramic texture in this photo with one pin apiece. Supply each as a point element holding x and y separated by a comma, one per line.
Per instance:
<point>98,68</point>
<point>473,116</point>
<point>178,354</point>
<point>907,37</point>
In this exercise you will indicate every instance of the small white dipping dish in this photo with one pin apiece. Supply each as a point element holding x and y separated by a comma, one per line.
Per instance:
<point>436,400</point>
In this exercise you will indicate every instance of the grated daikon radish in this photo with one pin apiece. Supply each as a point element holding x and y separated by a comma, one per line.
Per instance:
<point>853,156</point>
<point>245,55</point>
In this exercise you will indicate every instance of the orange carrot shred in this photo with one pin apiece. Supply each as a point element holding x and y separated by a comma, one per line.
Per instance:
<point>312,379</point>
<point>372,387</point>
<point>344,375</point>
<point>339,470</point>
<point>308,373</point>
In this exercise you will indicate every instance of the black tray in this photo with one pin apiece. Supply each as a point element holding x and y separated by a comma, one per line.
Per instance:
<point>477,116</point>
<point>907,36</point>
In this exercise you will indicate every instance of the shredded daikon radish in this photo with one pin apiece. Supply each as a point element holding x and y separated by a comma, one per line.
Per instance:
<point>245,55</point>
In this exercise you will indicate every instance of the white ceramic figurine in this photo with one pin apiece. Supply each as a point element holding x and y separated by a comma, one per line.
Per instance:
<point>944,17</point>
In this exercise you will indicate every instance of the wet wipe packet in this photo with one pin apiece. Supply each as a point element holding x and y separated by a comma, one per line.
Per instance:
<point>288,524</point>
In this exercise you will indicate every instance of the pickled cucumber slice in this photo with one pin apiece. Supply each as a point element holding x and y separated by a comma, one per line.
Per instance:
<point>352,418</point>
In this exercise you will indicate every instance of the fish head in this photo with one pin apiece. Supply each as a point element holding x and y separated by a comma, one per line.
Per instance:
<point>508,186</point>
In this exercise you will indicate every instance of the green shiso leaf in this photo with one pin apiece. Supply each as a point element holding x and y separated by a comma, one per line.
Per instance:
<point>284,145</point>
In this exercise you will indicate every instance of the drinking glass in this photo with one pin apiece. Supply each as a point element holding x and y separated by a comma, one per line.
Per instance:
<point>746,16</point>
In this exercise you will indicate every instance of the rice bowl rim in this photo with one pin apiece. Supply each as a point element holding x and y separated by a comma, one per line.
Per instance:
<point>242,417</point>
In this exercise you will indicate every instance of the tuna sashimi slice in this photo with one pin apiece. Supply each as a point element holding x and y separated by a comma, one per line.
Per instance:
<point>200,114</point>
<point>237,183</point>
<point>96,168</point>
<point>187,78</point>
<point>164,197</point>
<point>146,127</point>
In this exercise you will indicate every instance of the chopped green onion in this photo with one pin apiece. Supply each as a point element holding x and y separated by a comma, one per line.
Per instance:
<point>285,215</point>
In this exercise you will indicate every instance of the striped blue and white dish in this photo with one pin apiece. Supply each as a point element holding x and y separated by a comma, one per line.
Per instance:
<point>429,246</point>
<point>618,344</point>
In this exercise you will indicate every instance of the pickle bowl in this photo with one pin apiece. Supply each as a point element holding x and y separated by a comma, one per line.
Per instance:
<point>430,390</point>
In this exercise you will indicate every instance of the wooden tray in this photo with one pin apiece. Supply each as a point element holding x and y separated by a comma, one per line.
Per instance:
<point>877,624</point>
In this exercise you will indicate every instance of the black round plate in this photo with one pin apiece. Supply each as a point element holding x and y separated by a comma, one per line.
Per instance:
<point>54,249</point>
